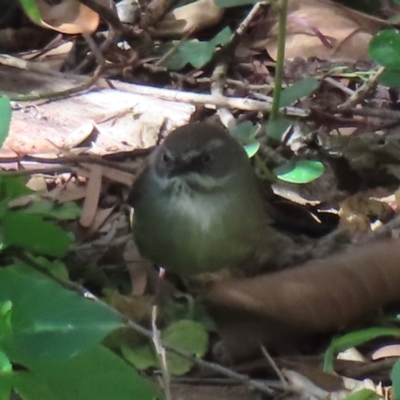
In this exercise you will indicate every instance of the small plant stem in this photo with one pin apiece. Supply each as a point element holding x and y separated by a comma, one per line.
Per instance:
<point>282,12</point>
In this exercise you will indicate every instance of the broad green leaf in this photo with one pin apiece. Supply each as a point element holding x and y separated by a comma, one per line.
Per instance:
<point>298,90</point>
<point>197,53</point>
<point>56,267</point>
<point>186,335</point>
<point>97,374</point>
<point>223,37</point>
<point>390,78</point>
<point>5,118</point>
<point>5,319</point>
<point>277,128</point>
<point>49,323</point>
<point>363,394</point>
<point>395,376</point>
<point>31,232</point>
<point>5,364</point>
<point>142,357</point>
<point>244,132</point>
<point>354,339</point>
<point>12,187</point>
<point>31,10</point>
<point>302,171</point>
<point>6,368</point>
<point>5,386</point>
<point>252,149</point>
<point>384,48</point>
<point>66,211</point>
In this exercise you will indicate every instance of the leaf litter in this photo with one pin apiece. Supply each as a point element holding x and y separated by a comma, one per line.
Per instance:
<point>87,148</point>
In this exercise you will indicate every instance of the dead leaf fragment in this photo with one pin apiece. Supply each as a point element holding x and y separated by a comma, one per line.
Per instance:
<point>91,201</point>
<point>322,29</point>
<point>387,351</point>
<point>68,16</point>
<point>189,19</point>
<point>357,211</point>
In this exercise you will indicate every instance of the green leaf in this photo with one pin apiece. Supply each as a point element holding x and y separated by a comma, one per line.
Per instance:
<point>244,132</point>
<point>49,323</point>
<point>5,118</point>
<point>5,318</point>
<point>277,128</point>
<point>5,386</point>
<point>56,267</point>
<point>354,339</point>
<point>363,394</point>
<point>142,357</point>
<point>395,376</point>
<point>197,53</point>
<point>186,335</point>
<point>384,48</point>
<point>5,364</point>
<point>12,187</point>
<point>97,374</point>
<point>33,233</point>
<point>65,211</point>
<point>31,10</point>
<point>390,78</point>
<point>252,149</point>
<point>298,90</point>
<point>302,171</point>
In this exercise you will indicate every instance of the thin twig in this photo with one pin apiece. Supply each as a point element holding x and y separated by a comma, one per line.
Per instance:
<point>218,78</point>
<point>275,367</point>
<point>74,160</point>
<point>368,112</point>
<point>360,94</point>
<point>238,103</point>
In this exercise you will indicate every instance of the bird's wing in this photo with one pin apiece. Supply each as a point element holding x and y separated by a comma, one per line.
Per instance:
<point>138,187</point>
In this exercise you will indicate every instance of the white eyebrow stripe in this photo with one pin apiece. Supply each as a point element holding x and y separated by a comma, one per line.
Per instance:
<point>215,143</point>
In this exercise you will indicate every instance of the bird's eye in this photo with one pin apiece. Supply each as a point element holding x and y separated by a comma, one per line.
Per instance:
<point>166,158</point>
<point>206,158</point>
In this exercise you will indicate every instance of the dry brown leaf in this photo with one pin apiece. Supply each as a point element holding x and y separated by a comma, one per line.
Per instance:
<point>118,176</point>
<point>100,218</point>
<point>189,19</point>
<point>91,201</point>
<point>79,135</point>
<point>154,11</point>
<point>324,380</point>
<point>68,16</point>
<point>37,183</point>
<point>66,195</point>
<point>392,350</point>
<point>358,210</point>
<point>322,29</point>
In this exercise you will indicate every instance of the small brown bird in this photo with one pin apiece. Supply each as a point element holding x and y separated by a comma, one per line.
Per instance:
<point>198,207</point>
